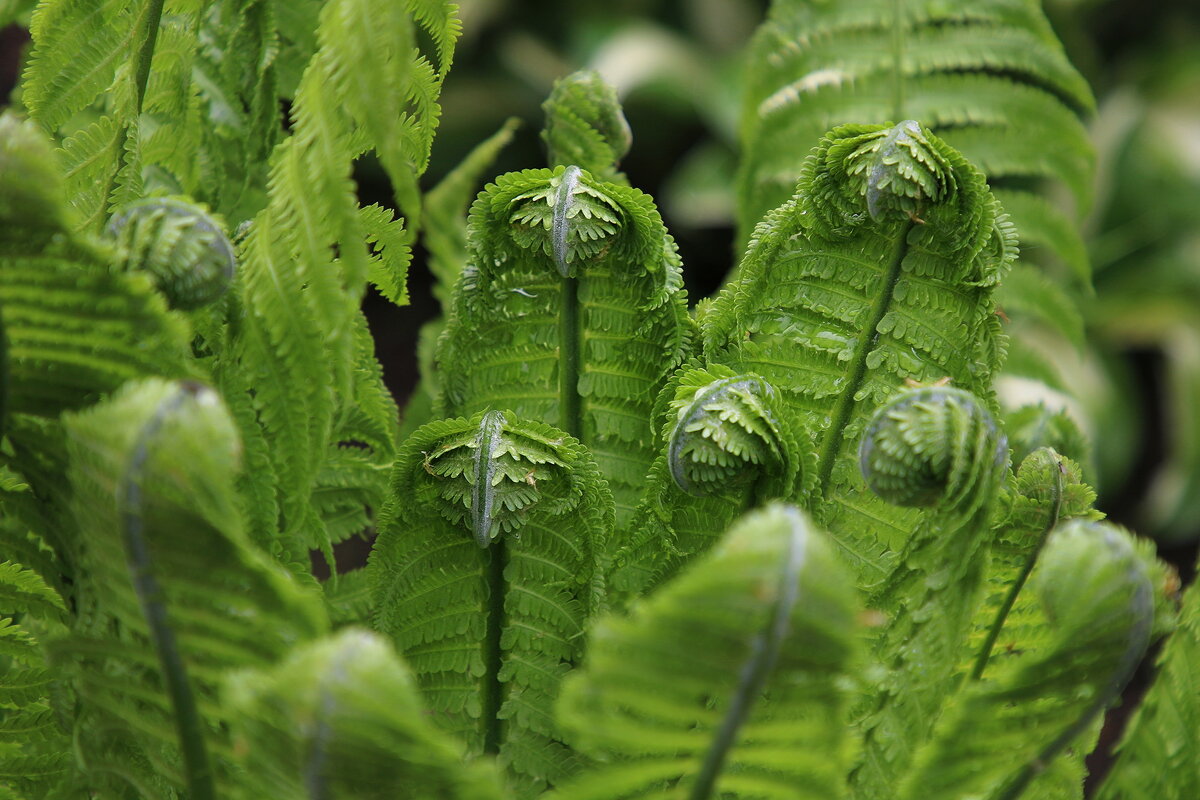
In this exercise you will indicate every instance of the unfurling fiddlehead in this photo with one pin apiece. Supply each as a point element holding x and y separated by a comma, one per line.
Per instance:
<point>585,126</point>
<point>729,443</point>
<point>936,448</point>
<point>487,568</point>
<point>180,244</point>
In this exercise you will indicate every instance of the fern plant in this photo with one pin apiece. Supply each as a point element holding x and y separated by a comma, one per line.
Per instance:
<point>770,547</point>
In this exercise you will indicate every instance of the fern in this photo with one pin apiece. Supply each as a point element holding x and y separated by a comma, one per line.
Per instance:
<point>990,78</point>
<point>725,683</point>
<point>487,569</point>
<point>729,444</point>
<point>879,271</point>
<point>341,718</point>
<point>570,310</point>
<point>159,534</point>
<point>585,126</point>
<point>1097,595</point>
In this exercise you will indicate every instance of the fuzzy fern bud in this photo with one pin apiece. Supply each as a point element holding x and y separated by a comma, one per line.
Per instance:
<point>933,446</point>
<point>180,244</point>
<point>727,432</point>
<point>585,124</point>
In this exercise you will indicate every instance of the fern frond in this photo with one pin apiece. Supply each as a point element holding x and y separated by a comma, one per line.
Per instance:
<point>1097,595</point>
<point>730,443</point>
<point>937,448</point>
<point>76,328</point>
<point>990,78</point>
<point>585,126</point>
<point>487,568</point>
<point>342,718</point>
<point>158,537</point>
<point>1159,755</point>
<point>306,260</point>
<point>878,272</point>
<point>571,310</point>
<point>726,681</point>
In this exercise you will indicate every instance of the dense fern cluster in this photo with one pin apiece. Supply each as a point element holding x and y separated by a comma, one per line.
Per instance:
<point>781,545</point>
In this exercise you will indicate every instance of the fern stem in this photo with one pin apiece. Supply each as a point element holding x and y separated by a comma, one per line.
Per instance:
<point>832,441</point>
<point>568,341</point>
<point>147,34</point>
<point>493,609</point>
<point>188,725</point>
<point>989,644</point>
<point>764,651</point>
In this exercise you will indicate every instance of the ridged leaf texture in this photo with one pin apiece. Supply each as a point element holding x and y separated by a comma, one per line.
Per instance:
<point>938,448</point>
<point>729,443</point>
<point>990,77</point>
<point>1096,593</point>
<point>342,718</point>
<point>585,126</point>
<point>570,310</point>
<point>75,326</point>
<point>1159,755</point>
<point>158,537</point>
<point>307,257</point>
<point>727,682</point>
<point>487,570</point>
<point>879,272</point>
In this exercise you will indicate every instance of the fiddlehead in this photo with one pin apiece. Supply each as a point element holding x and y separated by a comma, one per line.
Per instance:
<point>486,570</point>
<point>729,443</point>
<point>936,448</point>
<point>180,244</point>
<point>585,126</point>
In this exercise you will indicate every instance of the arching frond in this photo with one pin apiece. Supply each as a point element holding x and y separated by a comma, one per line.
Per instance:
<point>726,681</point>
<point>487,569</point>
<point>342,718</point>
<point>571,310</point>
<point>157,537</point>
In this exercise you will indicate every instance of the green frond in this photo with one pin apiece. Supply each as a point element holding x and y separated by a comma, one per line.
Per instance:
<point>989,77</point>
<point>158,536</point>
<point>1034,426</point>
<point>182,247</point>
<point>570,310</point>
<point>1159,755</point>
<point>727,681</point>
<point>585,126</point>
<point>1027,294</point>
<point>730,443</point>
<point>487,569</point>
<point>342,718</point>
<point>938,448</point>
<point>76,327</point>
<point>838,309</point>
<point>1097,596</point>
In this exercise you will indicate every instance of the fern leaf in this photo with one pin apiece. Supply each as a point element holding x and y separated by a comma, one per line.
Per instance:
<point>937,448</point>
<point>1159,755</point>
<point>487,568</point>
<point>879,271</point>
<point>725,682</point>
<point>342,718</point>
<point>570,310</point>
<point>1097,595</point>
<point>586,127</point>
<point>76,328</point>
<point>158,537</point>
<point>730,444</point>
<point>989,77</point>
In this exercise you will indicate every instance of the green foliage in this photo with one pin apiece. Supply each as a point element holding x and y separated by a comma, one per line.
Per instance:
<point>341,718</point>
<point>563,601</point>
<point>570,310</point>
<point>487,569</point>
<point>727,681</point>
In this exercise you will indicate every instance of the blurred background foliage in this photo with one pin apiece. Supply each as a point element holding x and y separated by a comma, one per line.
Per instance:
<point>675,64</point>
